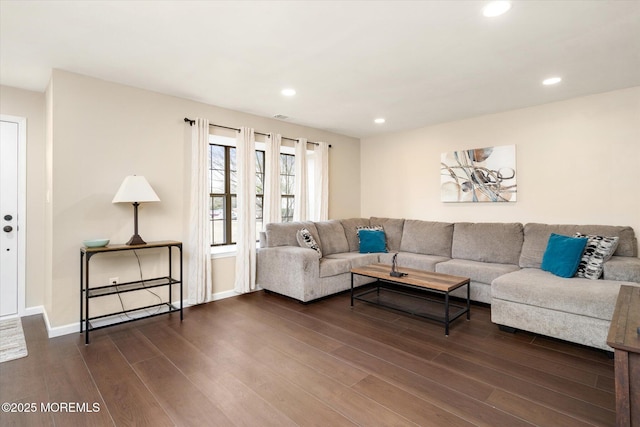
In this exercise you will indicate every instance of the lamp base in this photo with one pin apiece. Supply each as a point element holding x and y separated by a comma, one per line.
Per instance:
<point>136,240</point>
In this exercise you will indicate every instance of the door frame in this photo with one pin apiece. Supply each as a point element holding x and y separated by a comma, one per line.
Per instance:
<point>22,208</point>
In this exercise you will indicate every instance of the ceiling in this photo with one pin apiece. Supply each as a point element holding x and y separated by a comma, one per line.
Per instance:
<point>413,63</point>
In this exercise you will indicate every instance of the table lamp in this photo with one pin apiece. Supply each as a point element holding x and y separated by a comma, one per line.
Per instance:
<point>135,189</point>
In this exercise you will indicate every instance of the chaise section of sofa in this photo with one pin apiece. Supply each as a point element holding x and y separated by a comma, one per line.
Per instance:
<point>577,310</point>
<point>573,309</point>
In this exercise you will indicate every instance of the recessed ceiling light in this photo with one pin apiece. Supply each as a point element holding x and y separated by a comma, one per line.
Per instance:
<point>379,121</point>
<point>288,92</point>
<point>551,81</point>
<point>496,8</point>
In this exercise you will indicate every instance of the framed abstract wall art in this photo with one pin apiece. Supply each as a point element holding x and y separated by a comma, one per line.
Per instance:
<point>479,175</point>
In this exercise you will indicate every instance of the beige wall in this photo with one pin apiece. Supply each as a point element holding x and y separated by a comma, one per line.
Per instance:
<point>577,162</point>
<point>103,131</point>
<point>31,105</point>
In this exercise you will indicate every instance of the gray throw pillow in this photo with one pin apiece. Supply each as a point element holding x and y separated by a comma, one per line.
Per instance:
<point>306,240</point>
<point>599,250</point>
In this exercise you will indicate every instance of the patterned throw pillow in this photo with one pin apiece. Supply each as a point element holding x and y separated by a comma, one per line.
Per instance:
<point>598,251</point>
<point>306,240</point>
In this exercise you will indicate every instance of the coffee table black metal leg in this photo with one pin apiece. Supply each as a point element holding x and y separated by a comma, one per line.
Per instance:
<point>351,289</point>
<point>469,301</point>
<point>446,314</point>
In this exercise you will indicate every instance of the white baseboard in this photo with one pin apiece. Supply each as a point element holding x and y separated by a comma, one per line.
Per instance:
<point>223,295</point>
<point>57,331</point>
<point>71,328</point>
<point>31,311</point>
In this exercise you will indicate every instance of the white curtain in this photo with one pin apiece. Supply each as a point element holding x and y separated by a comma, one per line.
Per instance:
<point>199,288</point>
<point>301,196</point>
<point>272,200</point>
<point>321,182</point>
<point>246,211</point>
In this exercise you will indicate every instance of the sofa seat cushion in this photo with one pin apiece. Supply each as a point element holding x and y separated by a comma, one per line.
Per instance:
<point>417,261</point>
<point>333,267</point>
<point>484,272</point>
<point>357,259</point>
<point>576,295</point>
<point>335,264</point>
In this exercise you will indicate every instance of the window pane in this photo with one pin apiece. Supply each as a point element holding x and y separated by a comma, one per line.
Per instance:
<point>216,169</point>
<point>287,164</point>
<point>217,217</point>
<point>259,215</point>
<point>287,209</point>
<point>287,185</point>
<point>259,207</point>
<point>233,169</point>
<point>234,220</point>
<point>291,183</point>
<point>259,172</point>
<point>287,174</point>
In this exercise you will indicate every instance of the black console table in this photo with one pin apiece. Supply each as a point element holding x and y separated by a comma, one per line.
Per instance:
<point>87,293</point>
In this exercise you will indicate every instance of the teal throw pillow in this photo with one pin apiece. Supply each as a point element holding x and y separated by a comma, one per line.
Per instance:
<point>563,254</point>
<point>372,241</point>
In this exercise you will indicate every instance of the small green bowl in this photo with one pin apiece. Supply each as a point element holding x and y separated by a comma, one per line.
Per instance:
<point>96,243</point>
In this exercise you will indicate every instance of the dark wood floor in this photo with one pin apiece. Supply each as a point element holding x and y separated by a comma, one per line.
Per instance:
<point>265,360</point>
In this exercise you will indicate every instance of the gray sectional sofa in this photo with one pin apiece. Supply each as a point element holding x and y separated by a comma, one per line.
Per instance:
<point>502,259</point>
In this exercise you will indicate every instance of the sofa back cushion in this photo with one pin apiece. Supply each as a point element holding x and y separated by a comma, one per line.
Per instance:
<point>284,234</point>
<point>427,237</point>
<point>351,231</point>
<point>392,229</point>
<point>536,237</point>
<point>332,237</point>
<point>488,242</point>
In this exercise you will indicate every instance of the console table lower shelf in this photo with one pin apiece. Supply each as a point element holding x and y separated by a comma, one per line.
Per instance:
<point>90,323</point>
<point>414,286</point>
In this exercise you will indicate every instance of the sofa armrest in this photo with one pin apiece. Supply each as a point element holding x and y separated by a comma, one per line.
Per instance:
<point>289,264</point>
<point>622,268</point>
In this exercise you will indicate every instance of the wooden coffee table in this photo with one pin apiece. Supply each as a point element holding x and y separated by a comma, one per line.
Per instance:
<point>424,282</point>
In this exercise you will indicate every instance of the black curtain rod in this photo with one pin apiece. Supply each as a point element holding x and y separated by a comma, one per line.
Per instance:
<point>191,122</point>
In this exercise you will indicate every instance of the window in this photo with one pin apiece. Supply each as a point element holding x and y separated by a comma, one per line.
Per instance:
<point>259,187</point>
<point>287,185</point>
<point>223,187</point>
<point>223,181</point>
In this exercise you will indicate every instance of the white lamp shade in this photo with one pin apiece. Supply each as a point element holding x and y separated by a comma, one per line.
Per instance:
<point>135,188</point>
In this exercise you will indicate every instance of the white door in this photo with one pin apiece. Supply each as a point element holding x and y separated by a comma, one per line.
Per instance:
<point>10,292</point>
